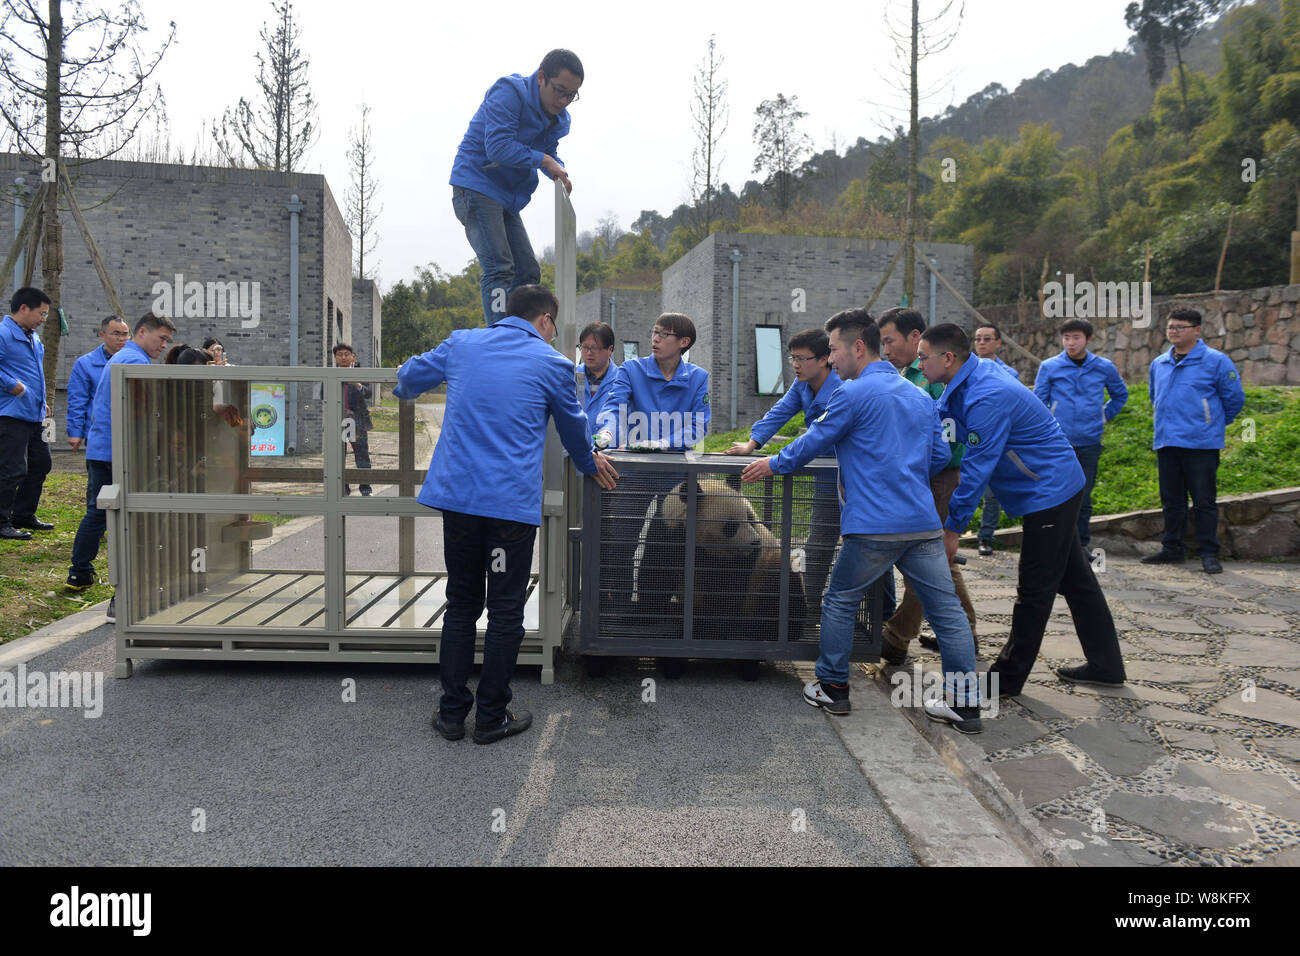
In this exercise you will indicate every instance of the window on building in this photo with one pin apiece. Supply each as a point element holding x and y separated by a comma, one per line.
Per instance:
<point>768,360</point>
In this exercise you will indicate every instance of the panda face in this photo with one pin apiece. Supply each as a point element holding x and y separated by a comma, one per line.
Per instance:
<point>725,520</point>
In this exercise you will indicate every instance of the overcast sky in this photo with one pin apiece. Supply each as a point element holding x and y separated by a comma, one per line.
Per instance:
<point>425,67</point>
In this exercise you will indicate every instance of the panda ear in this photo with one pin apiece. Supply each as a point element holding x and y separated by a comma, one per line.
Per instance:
<point>733,480</point>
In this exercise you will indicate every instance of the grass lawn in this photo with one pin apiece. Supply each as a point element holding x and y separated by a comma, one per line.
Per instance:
<point>384,414</point>
<point>32,572</point>
<point>1262,452</point>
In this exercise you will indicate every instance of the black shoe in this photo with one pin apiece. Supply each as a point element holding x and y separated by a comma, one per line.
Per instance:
<point>449,730</point>
<point>1164,557</point>
<point>965,719</point>
<point>1210,564</point>
<point>929,643</point>
<point>897,656</point>
<point>10,533</point>
<point>986,548</point>
<point>513,724</point>
<point>33,523</point>
<point>347,490</point>
<point>1087,674</point>
<point>365,491</point>
<point>111,616</point>
<point>79,582</point>
<point>832,698</point>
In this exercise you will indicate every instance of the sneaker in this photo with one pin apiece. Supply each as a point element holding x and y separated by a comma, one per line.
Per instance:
<point>965,719</point>
<point>79,582</point>
<point>111,616</point>
<point>986,548</point>
<point>1086,674</point>
<point>449,729</point>
<point>513,724</point>
<point>1210,564</point>
<point>1164,557</point>
<point>832,698</point>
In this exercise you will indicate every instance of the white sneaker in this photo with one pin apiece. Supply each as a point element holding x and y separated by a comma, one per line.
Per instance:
<point>833,700</point>
<point>965,719</point>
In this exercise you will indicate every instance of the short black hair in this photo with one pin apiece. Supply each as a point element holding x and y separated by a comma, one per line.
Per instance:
<point>997,333</point>
<point>948,338</point>
<point>103,325</point>
<point>855,324</point>
<point>558,60</point>
<point>1077,325</point>
<point>149,321</point>
<point>341,347</point>
<point>32,297</point>
<point>906,321</point>
<point>187,355</point>
<point>603,333</point>
<point>529,301</point>
<point>1183,314</point>
<point>678,324</point>
<point>212,340</point>
<point>815,341</point>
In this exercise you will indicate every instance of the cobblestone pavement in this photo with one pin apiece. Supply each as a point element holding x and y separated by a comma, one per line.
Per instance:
<point>1197,760</point>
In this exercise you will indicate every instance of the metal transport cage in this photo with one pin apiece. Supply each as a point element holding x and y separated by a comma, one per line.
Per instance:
<point>683,561</point>
<point>231,536</point>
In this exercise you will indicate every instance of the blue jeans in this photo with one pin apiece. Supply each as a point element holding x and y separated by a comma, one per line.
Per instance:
<point>992,515</point>
<point>501,244</point>
<point>925,565</point>
<point>85,546</point>
<point>495,555</point>
<point>1088,456</point>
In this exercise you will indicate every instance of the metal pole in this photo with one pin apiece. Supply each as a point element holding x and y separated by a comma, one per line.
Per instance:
<point>934,284</point>
<point>735,331</point>
<point>295,206</point>
<point>20,209</point>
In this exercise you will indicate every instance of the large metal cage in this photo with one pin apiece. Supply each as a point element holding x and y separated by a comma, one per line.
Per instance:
<point>683,561</point>
<point>219,552</point>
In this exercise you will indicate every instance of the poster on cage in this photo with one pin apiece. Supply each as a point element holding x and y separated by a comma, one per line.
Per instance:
<point>267,411</point>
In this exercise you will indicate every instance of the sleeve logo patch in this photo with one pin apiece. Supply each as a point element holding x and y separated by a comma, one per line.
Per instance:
<point>1232,376</point>
<point>972,439</point>
<point>706,398</point>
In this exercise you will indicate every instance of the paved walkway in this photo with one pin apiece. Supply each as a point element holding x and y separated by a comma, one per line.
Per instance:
<point>1197,760</point>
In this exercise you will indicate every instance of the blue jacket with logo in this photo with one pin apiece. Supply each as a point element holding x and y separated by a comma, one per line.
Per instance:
<point>593,402</point>
<point>886,436</point>
<point>502,384</point>
<point>81,389</point>
<point>1076,395</point>
<point>503,147</point>
<point>1013,445</point>
<point>798,398</point>
<point>1195,400</point>
<point>643,406</point>
<point>99,437</point>
<point>21,360</point>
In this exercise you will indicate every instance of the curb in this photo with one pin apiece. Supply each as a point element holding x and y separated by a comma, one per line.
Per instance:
<point>968,762</point>
<point>53,634</point>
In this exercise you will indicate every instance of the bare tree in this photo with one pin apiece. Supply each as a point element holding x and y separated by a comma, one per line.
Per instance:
<point>277,133</point>
<point>923,38</point>
<point>709,113</point>
<point>362,211</point>
<point>86,85</point>
<point>781,145</point>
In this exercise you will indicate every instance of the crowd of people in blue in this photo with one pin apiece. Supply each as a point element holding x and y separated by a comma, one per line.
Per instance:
<point>924,423</point>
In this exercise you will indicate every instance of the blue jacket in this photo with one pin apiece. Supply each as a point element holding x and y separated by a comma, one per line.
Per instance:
<point>502,383</point>
<point>1076,395</point>
<point>1013,445</point>
<point>81,389</point>
<point>798,398</point>
<point>503,147</point>
<point>887,438</point>
<point>99,437</point>
<point>1009,369</point>
<point>1195,400</point>
<point>593,403</point>
<point>23,361</point>
<point>643,406</point>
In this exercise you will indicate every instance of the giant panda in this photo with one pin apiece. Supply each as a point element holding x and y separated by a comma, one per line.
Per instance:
<point>737,565</point>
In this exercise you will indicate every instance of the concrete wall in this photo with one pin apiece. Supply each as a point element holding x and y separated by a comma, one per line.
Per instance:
<point>1258,328</point>
<point>367,324</point>
<point>794,282</point>
<point>152,221</point>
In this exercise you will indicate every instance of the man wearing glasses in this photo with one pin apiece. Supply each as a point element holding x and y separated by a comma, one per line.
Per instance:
<point>514,133</point>
<point>24,455</point>
<point>599,371</point>
<point>1195,394</point>
<point>85,376</point>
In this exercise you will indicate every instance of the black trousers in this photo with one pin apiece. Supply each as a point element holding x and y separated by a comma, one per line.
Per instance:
<point>1183,472</point>
<point>1052,562</point>
<point>24,463</point>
